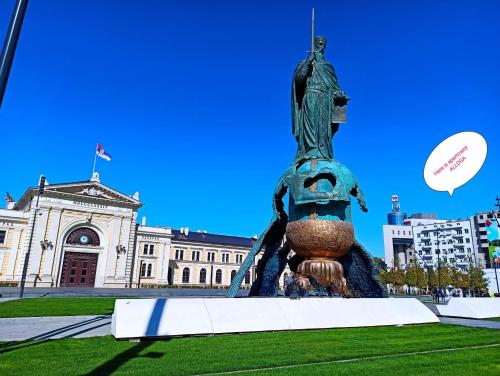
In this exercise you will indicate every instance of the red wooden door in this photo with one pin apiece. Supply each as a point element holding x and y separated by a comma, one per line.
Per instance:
<point>79,269</point>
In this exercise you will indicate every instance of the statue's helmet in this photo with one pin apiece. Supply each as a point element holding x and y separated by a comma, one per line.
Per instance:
<point>320,38</point>
<point>319,43</point>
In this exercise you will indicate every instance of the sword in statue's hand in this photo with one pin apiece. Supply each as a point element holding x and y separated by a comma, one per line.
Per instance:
<point>311,52</point>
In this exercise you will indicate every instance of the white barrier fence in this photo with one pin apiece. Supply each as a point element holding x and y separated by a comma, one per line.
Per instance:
<point>136,318</point>
<point>473,308</point>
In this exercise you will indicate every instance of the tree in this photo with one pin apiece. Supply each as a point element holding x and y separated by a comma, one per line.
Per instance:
<point>398,279</point>
<point>421,277</point>
<point>477,278</point>
<point>411,276</point>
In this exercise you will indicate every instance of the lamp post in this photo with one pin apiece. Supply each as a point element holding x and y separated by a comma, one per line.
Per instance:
<point>10,44</point>
<point>496,259</point>
<point>438,252</point>
<point>41,188</point>
<point>140,274</point>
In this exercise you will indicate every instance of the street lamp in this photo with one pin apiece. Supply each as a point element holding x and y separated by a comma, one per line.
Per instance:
<point>120,250</point>
<point>46,244</point>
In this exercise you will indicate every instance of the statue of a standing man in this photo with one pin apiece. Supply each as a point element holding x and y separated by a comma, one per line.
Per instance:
<point>315,93</point>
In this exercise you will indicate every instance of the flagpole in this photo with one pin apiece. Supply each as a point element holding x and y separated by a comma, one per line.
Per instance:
<point>95,157</point>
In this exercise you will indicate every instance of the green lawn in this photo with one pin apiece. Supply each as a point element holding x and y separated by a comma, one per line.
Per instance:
<point>57,307</point>
<point>251,352</point>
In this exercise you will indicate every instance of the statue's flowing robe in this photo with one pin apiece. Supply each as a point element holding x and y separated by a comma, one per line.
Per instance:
<point>314,88</point>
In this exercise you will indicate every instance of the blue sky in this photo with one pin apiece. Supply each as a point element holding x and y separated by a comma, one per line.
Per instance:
<point>192,100</point>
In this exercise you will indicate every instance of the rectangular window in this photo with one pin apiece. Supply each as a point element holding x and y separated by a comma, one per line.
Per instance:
<point>418,235</point>
<point>467,240</point>
<point>211,256</point>
<point>466,230</point>
<point>179,254</point>
<point>3,234</point>
<point>149,249</point>
<point>195,256</point>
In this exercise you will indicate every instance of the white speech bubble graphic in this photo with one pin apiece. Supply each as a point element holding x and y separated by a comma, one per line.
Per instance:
<point>455,161</point>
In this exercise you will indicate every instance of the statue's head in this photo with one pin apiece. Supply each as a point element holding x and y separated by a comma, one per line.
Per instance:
<point>320,43</point>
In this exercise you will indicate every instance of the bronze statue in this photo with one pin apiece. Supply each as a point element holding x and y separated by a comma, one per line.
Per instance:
<point>315,94</point>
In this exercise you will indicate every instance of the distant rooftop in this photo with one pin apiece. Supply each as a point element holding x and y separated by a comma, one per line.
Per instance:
<point>205,237</point>
<point>424,216</point>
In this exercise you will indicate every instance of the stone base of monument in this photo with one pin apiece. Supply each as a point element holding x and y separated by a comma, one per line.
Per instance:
<point>473,308</point>
<point>140,318</point>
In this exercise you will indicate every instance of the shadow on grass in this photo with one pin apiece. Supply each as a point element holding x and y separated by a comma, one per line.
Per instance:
<point>118,360</point>
<point>47,336</point>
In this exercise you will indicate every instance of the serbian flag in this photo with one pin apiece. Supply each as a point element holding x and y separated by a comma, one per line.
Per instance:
<point>101,153</point>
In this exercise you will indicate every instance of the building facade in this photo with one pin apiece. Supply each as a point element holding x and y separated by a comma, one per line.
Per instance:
<point>424,239</point>
<point>85,234</point>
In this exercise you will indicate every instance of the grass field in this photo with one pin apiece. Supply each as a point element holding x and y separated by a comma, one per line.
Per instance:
<point>314,352</point>
<point>37,307</point>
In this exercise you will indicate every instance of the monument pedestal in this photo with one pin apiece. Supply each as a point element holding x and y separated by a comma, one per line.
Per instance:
<point>142,318</point>
<point>471,308</point>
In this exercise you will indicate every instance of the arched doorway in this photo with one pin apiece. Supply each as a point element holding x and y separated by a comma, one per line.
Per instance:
<point>79,268</point>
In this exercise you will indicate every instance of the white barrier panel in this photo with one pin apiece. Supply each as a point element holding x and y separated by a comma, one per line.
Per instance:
<point>474,308</point>
<point>136,318</point>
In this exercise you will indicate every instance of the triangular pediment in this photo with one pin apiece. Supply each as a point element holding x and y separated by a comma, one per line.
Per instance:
<point>92,189</point>
<point>85,190</point>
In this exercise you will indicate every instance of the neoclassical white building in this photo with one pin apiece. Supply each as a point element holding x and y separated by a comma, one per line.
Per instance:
<point>85,234</point>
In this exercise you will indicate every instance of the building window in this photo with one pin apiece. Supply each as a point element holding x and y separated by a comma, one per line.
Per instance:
<point>218,276</point>
<point>225,257</point>
<point>3,233</point>
<point>179,254</point>
<point>468,249</point>
<point>150,269</point>
<point>239,259</point>
<point>185,275</point>
<point>404,232</point>
<point>203,275</point>
<point>459,231</point>
<point>83,236</point>
<point>211,256</point>
<point>398,232</point>
<point>285,276</point>
<point>392,232</point>
<point>247,277</point>
<point>418,235</point>
<point>467,240</point>
<point>195,256</point>
<point>233,274</point>
<point>146,270</point>
<point>149,249</point>
<point>466,230</point>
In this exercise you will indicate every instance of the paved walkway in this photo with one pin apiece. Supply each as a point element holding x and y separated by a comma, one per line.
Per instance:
<point>30,292</point>
<point>470,322</point>
<point>40,328</point>
<point>37,328</point>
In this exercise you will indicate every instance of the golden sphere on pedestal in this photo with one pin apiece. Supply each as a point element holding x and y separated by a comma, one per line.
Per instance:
<point>320,238</point>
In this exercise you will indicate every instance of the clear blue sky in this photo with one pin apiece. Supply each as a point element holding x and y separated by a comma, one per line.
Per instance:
<point>192,100</point>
